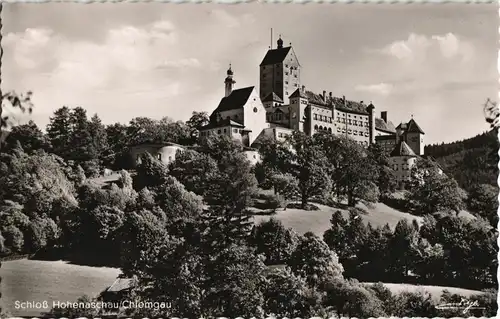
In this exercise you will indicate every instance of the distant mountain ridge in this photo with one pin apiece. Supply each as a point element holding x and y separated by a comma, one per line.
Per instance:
<point>471,161</point>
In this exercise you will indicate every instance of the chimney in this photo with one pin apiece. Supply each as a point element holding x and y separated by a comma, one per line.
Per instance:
<point>331,95</point>
<point>324,96</point>
<point>343,99</point>
<point>383,115</point>
<point>303,88</point>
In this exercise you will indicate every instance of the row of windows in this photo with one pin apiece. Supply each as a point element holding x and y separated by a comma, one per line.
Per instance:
<point>282,135</point>
<point>352,122</point>
<point>405,167</point>
<point>279,65</point>
<point>220,131</point>
<point>343,130</point>
<point>323,118</point>
<point>349,115</point>
<point>301,102</point>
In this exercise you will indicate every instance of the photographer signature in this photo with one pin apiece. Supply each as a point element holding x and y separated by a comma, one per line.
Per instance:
<point>464,304</point>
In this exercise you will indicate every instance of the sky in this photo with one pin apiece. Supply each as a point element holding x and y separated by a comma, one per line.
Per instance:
<point>125,60</point>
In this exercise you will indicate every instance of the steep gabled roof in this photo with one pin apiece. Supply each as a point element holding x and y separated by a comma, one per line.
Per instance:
<point>413,127</point>
<point>221,123</point>
<point>402,149</point>
<point>275,56</point>
<point>272,97</point>
<point>381,125</point>
<point>298,93</point>
<point>236,100</point>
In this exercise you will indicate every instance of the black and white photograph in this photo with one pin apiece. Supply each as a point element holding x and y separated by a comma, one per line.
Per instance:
<point>251,160</point>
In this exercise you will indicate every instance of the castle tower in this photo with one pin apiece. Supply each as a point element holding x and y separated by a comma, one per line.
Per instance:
<point>415,137</point>
<point>229,82</point>
<point>279,72</point>
<point>298,112</point>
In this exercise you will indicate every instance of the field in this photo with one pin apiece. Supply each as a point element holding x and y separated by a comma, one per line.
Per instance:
<point>318,221</point>
<point>38,281</point>
<point>435,291</point>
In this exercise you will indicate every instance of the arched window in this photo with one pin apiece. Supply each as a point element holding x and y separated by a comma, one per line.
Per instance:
<point>329,130</point>
<point>316,127</point>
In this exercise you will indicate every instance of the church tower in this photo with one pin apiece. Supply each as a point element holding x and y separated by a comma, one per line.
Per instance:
<point>229,82</point>
<point>279,72</point>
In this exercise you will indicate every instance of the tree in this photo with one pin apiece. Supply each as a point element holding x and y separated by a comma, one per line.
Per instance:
<point>232,189</point>
<point>287,295</point>
<point>352,169</point>
<point>414,304</point>
<point>195,123</point>
<point>309,167</point>
<point>59,132</point>
<point>235,281</point>
<point>151,173</point>
<point>351,299</point>
<point>82,141</point>
<point>285,186</point>
<point>385,182</point>
<point>431,191</point>
<point>483,200</point>
<point>99,140</point>
<point>195,170</point>
<point>29,136</point>
<point>118,141</point>
<point>403,248</point>
<point>274,241</point>
<point>314,261</point>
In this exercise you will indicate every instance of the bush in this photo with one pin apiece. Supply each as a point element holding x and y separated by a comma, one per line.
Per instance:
<point>272,202</point>
<point>308,207</point>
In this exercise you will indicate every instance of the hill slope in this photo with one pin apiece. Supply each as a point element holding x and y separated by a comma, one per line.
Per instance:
<point>472,161</point>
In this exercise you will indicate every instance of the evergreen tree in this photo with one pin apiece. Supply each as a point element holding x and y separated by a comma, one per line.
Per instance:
<point>99,140</point>
<point>59,131</point>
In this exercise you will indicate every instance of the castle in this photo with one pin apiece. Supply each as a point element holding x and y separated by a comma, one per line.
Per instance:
<point>283,105</point>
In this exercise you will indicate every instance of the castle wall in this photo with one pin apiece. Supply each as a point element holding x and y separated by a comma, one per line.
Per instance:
<point>402,167</point>
<point>163,153</point>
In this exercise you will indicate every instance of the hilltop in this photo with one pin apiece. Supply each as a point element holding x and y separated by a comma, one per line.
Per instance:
<point>471,161</point>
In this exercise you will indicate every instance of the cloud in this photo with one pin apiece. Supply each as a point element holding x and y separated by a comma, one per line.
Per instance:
<point>182,63</point>
<point>420,47</point>
<point>381,88</point>
<point>25,44</point>
<point>130,67</point>
<point>231,21</point>
<point>414,46</point>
